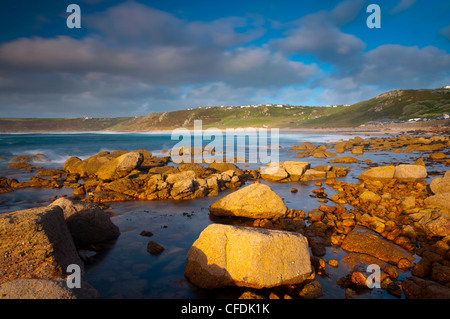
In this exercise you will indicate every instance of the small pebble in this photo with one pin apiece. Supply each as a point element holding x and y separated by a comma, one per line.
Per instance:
<point>333,263</point>
<point>146,233</point>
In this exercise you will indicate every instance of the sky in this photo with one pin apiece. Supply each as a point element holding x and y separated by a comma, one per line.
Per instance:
<point>131,58</point>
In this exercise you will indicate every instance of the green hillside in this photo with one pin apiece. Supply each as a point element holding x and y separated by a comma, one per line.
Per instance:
<point>399,105</point>
<point>223,117</point>
<point>58,124</point>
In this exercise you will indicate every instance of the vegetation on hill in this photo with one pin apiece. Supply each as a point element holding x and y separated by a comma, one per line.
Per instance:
<point>399,105</point>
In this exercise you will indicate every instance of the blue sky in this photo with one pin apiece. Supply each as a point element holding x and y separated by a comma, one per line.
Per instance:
<point>135,57</point>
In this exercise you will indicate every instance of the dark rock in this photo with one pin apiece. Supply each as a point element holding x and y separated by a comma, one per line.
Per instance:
<point>146,233</point>
<point>154,248</point>
<point>87,223</point>
<point>416,288</point>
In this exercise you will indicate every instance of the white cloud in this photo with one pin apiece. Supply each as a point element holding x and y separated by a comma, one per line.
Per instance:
<point>132,23</point>
<point>347,11</point>
<point>138,59</point>
<point>404,67</point>
<point>316,34</point>
<point>402,6</point>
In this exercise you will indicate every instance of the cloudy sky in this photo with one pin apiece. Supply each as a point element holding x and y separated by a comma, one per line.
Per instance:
<point>140,56</point>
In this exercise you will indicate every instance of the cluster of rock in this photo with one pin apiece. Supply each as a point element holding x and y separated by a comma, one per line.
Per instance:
<point>390,224</point>
<point>307,149</point>
<point>187,181</point>
<point>294,171</point>
<point>138,175</point>
<point>392,204</point>
<point>121,176</point>
<point>359,146</point>
<point>25,161</point>
<point>38,245</point>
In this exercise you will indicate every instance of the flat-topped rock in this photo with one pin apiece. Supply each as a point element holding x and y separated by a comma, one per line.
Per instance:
<point>288,171</point>
<point>120,166</point>
<point>253,201</point>
<point>379,173</point>
<point>410,173</point>
<point>402,172</point>
<point>364,240</point>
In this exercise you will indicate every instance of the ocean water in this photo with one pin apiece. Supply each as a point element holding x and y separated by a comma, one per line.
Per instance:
<point>125,269</point>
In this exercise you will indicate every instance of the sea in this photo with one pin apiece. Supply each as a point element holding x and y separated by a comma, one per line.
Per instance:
<point>124,269</point>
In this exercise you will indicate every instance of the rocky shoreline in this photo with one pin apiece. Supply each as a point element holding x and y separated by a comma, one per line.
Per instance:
<point>391,217</point>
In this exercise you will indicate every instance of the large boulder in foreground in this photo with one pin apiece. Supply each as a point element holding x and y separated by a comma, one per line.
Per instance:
<point>253,201</point>
<point>88,223</point>
<point>45,289</point>
<point>36,243</point>
<point>366,241</point>
<point>225,255</point>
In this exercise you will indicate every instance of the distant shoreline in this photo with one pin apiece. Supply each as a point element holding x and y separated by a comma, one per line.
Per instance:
<point>436,127</point>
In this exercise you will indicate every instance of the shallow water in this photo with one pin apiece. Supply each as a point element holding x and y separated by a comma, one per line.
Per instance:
<point>126,269</point>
